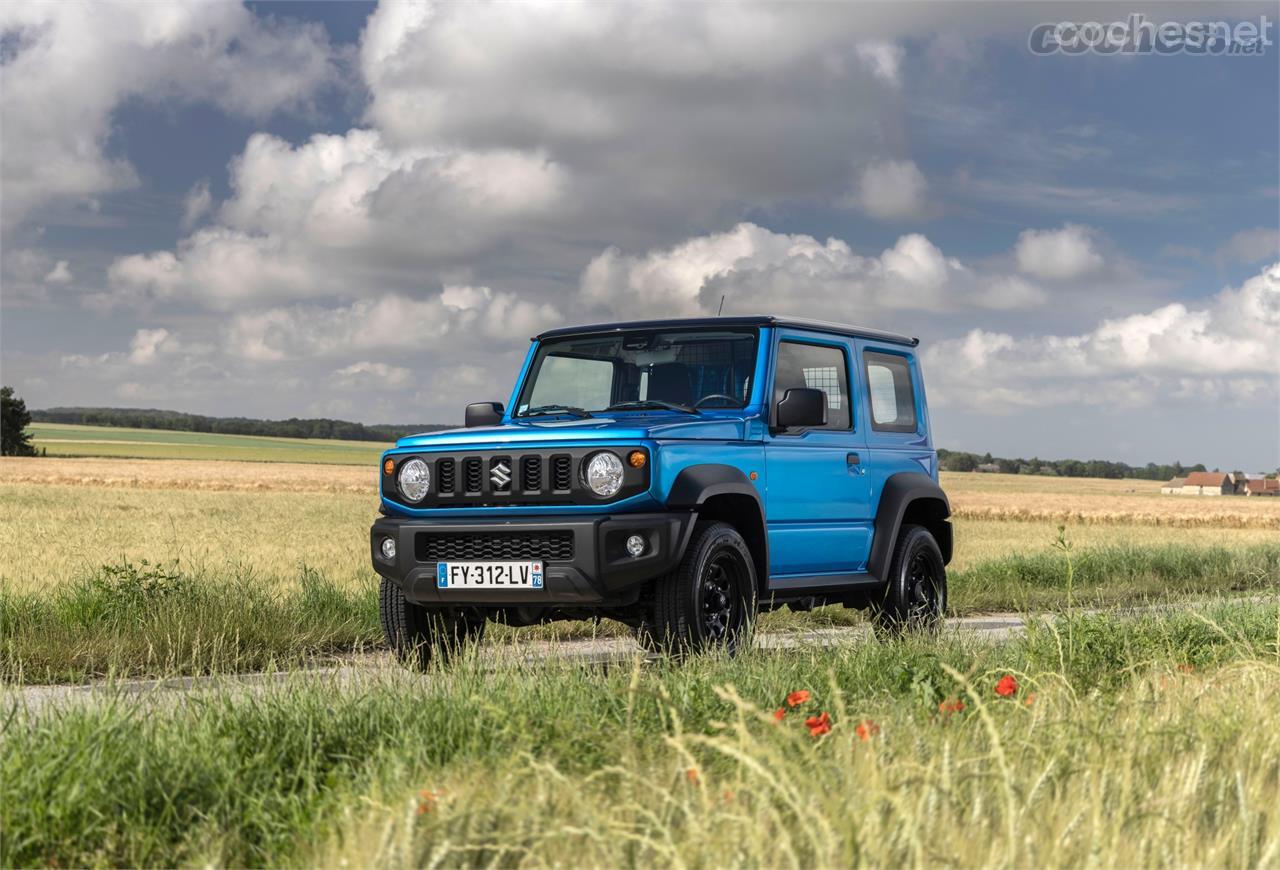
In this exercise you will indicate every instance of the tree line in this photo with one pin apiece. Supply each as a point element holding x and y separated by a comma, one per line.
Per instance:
<point>957,460</point>
<point>294,427</point>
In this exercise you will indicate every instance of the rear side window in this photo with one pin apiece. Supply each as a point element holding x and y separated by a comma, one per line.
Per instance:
<point>893,398</point>
<point>817,367</point>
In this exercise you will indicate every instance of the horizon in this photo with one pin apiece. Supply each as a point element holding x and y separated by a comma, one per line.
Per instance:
<point>349,210</point>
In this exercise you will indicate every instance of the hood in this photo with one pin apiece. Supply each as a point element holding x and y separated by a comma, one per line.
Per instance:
<point>607,428</point>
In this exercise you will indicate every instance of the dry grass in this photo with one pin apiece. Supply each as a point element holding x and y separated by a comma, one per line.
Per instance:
<point>1086,501</point>
<point>192,474</point>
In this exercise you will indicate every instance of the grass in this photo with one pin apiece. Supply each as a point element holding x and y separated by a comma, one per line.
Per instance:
<point>1141,742</point>
<point>66,439</point>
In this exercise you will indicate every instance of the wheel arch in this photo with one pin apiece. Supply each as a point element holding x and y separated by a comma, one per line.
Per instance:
<point>909,498</point>
<point>723,492</point>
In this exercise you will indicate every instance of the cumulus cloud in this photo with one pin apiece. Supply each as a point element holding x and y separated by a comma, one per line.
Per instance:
<point>1251,246</point>
<point>884,59</point>
<point>760,270</point>
<point>454,320</point>
<point>326,217</point>
<point>198,202</point>
<point>1227,348</point>
<point>892,190</point>
<point>365,375</point>
<point>147,343</point>
<point>59,274</point>
<point>1058,254</point>
<point>68,65</point>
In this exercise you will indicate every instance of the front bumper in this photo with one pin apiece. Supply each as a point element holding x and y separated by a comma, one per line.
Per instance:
<point>599,572</point>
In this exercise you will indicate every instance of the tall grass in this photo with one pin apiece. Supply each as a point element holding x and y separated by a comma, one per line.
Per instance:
<point>142,618</point>
<point>146,619</point>
<point>1111,754</point>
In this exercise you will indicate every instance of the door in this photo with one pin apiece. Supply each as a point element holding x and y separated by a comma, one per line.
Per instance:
<point>818,497</point>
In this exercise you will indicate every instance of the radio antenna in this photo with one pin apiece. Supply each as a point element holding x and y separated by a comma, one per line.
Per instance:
<point>720,310</point>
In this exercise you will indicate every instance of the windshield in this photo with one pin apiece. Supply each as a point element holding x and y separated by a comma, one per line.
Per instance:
<point>676,370</point>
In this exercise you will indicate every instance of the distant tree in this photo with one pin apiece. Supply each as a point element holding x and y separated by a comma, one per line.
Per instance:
<point>961,462</point>
<point>14,420</point>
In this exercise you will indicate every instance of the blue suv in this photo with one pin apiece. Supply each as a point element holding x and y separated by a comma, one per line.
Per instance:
<point>679,476</point>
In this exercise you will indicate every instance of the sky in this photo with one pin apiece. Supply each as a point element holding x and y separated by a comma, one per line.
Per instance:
<point>365,211</point>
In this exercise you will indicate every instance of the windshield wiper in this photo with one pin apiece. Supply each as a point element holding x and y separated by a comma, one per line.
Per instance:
<point>652,403</point>
<point>580,413</point>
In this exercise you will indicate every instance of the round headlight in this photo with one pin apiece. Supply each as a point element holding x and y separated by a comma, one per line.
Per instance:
<point>415,479</point>
<point>603,474</point>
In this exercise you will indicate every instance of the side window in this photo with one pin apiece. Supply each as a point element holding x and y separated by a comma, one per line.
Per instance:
<point>820,368</point>
<point>893,398</point>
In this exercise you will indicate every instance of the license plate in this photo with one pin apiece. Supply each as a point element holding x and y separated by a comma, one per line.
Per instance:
<point>488,575</point>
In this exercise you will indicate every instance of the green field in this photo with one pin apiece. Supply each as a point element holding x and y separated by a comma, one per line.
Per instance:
<point>63,439</point>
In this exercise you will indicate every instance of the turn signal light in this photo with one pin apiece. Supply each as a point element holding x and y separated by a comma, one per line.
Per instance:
<point>388,466</point>
<point>636,459</point>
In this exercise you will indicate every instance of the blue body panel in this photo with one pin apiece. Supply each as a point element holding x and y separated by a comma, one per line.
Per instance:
<point>820,489</point>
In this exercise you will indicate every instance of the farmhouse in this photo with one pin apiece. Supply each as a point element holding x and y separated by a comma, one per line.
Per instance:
<point>1173,487</point>
<point>1208,483</point>
<point>1262,486</point>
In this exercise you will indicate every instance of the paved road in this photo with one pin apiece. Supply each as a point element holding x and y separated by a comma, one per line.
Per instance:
<point>365,667</point>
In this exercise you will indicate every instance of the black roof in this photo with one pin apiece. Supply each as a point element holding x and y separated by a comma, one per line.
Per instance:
<point>747,320</point>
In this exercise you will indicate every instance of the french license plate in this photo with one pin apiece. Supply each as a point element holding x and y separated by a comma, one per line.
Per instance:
<point>489,575</point>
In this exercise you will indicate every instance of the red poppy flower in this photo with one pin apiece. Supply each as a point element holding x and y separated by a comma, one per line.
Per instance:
<point>1007,686</point>
<point>1031,699</point>
<point>952,705</point>
<point>779,713</point>
<point>795,699</point>
<point>866,729</point>
<point>427,800</point>
<point>692,775</point>
<point>1187,669</point>
<point>818,725</point>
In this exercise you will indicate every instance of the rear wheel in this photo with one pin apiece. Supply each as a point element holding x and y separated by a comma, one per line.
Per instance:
<point>915,598</point>
<point>418,634</point>
<point>709,600</point>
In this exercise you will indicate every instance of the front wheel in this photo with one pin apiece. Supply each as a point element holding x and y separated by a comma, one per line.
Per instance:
<point>709,600</point>
<point>915,598</point>
<point>417,634</point>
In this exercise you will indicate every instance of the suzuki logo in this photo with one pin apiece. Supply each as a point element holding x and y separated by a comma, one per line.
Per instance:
<point>500,474</point>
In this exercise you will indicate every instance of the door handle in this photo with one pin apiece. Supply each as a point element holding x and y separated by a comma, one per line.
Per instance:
<point>854,463</point>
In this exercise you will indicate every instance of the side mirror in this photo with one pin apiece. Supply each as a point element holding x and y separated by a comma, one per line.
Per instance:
<point>801,407</point>
<point>483,414</point>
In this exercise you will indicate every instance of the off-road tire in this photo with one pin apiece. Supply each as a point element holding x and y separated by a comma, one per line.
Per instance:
<point>915,598</point>
<point>418,634</point>
<point>708,600</point>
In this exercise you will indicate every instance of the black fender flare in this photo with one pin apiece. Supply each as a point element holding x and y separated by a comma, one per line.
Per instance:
<point>899,491</point>
<point>696,484</point>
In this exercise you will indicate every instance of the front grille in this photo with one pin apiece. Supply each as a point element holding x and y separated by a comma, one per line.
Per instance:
<point>561,473</point>
<point>493,546</point>
<point>445,476</point>
<point>529,477</point>
<point>473,474</point>
<point>531,473</point>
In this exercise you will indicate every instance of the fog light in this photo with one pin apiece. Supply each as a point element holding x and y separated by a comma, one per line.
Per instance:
<point>635,545</point>
<point>388,548</point>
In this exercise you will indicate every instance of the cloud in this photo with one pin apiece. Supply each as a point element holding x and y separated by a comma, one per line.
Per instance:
<point>59,274</point>
<point>341,216</point>
<point>1058,255</point>
<point>884,60</point>
<point>147,343</point>
<point>1223,350</point>
<point>198,202</point>
<point>455,320</point>
<point>365,375</point>
<point>1251,246</point>
<point>760,270</point>
<point>892,190</point>
<point>68,65</point>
